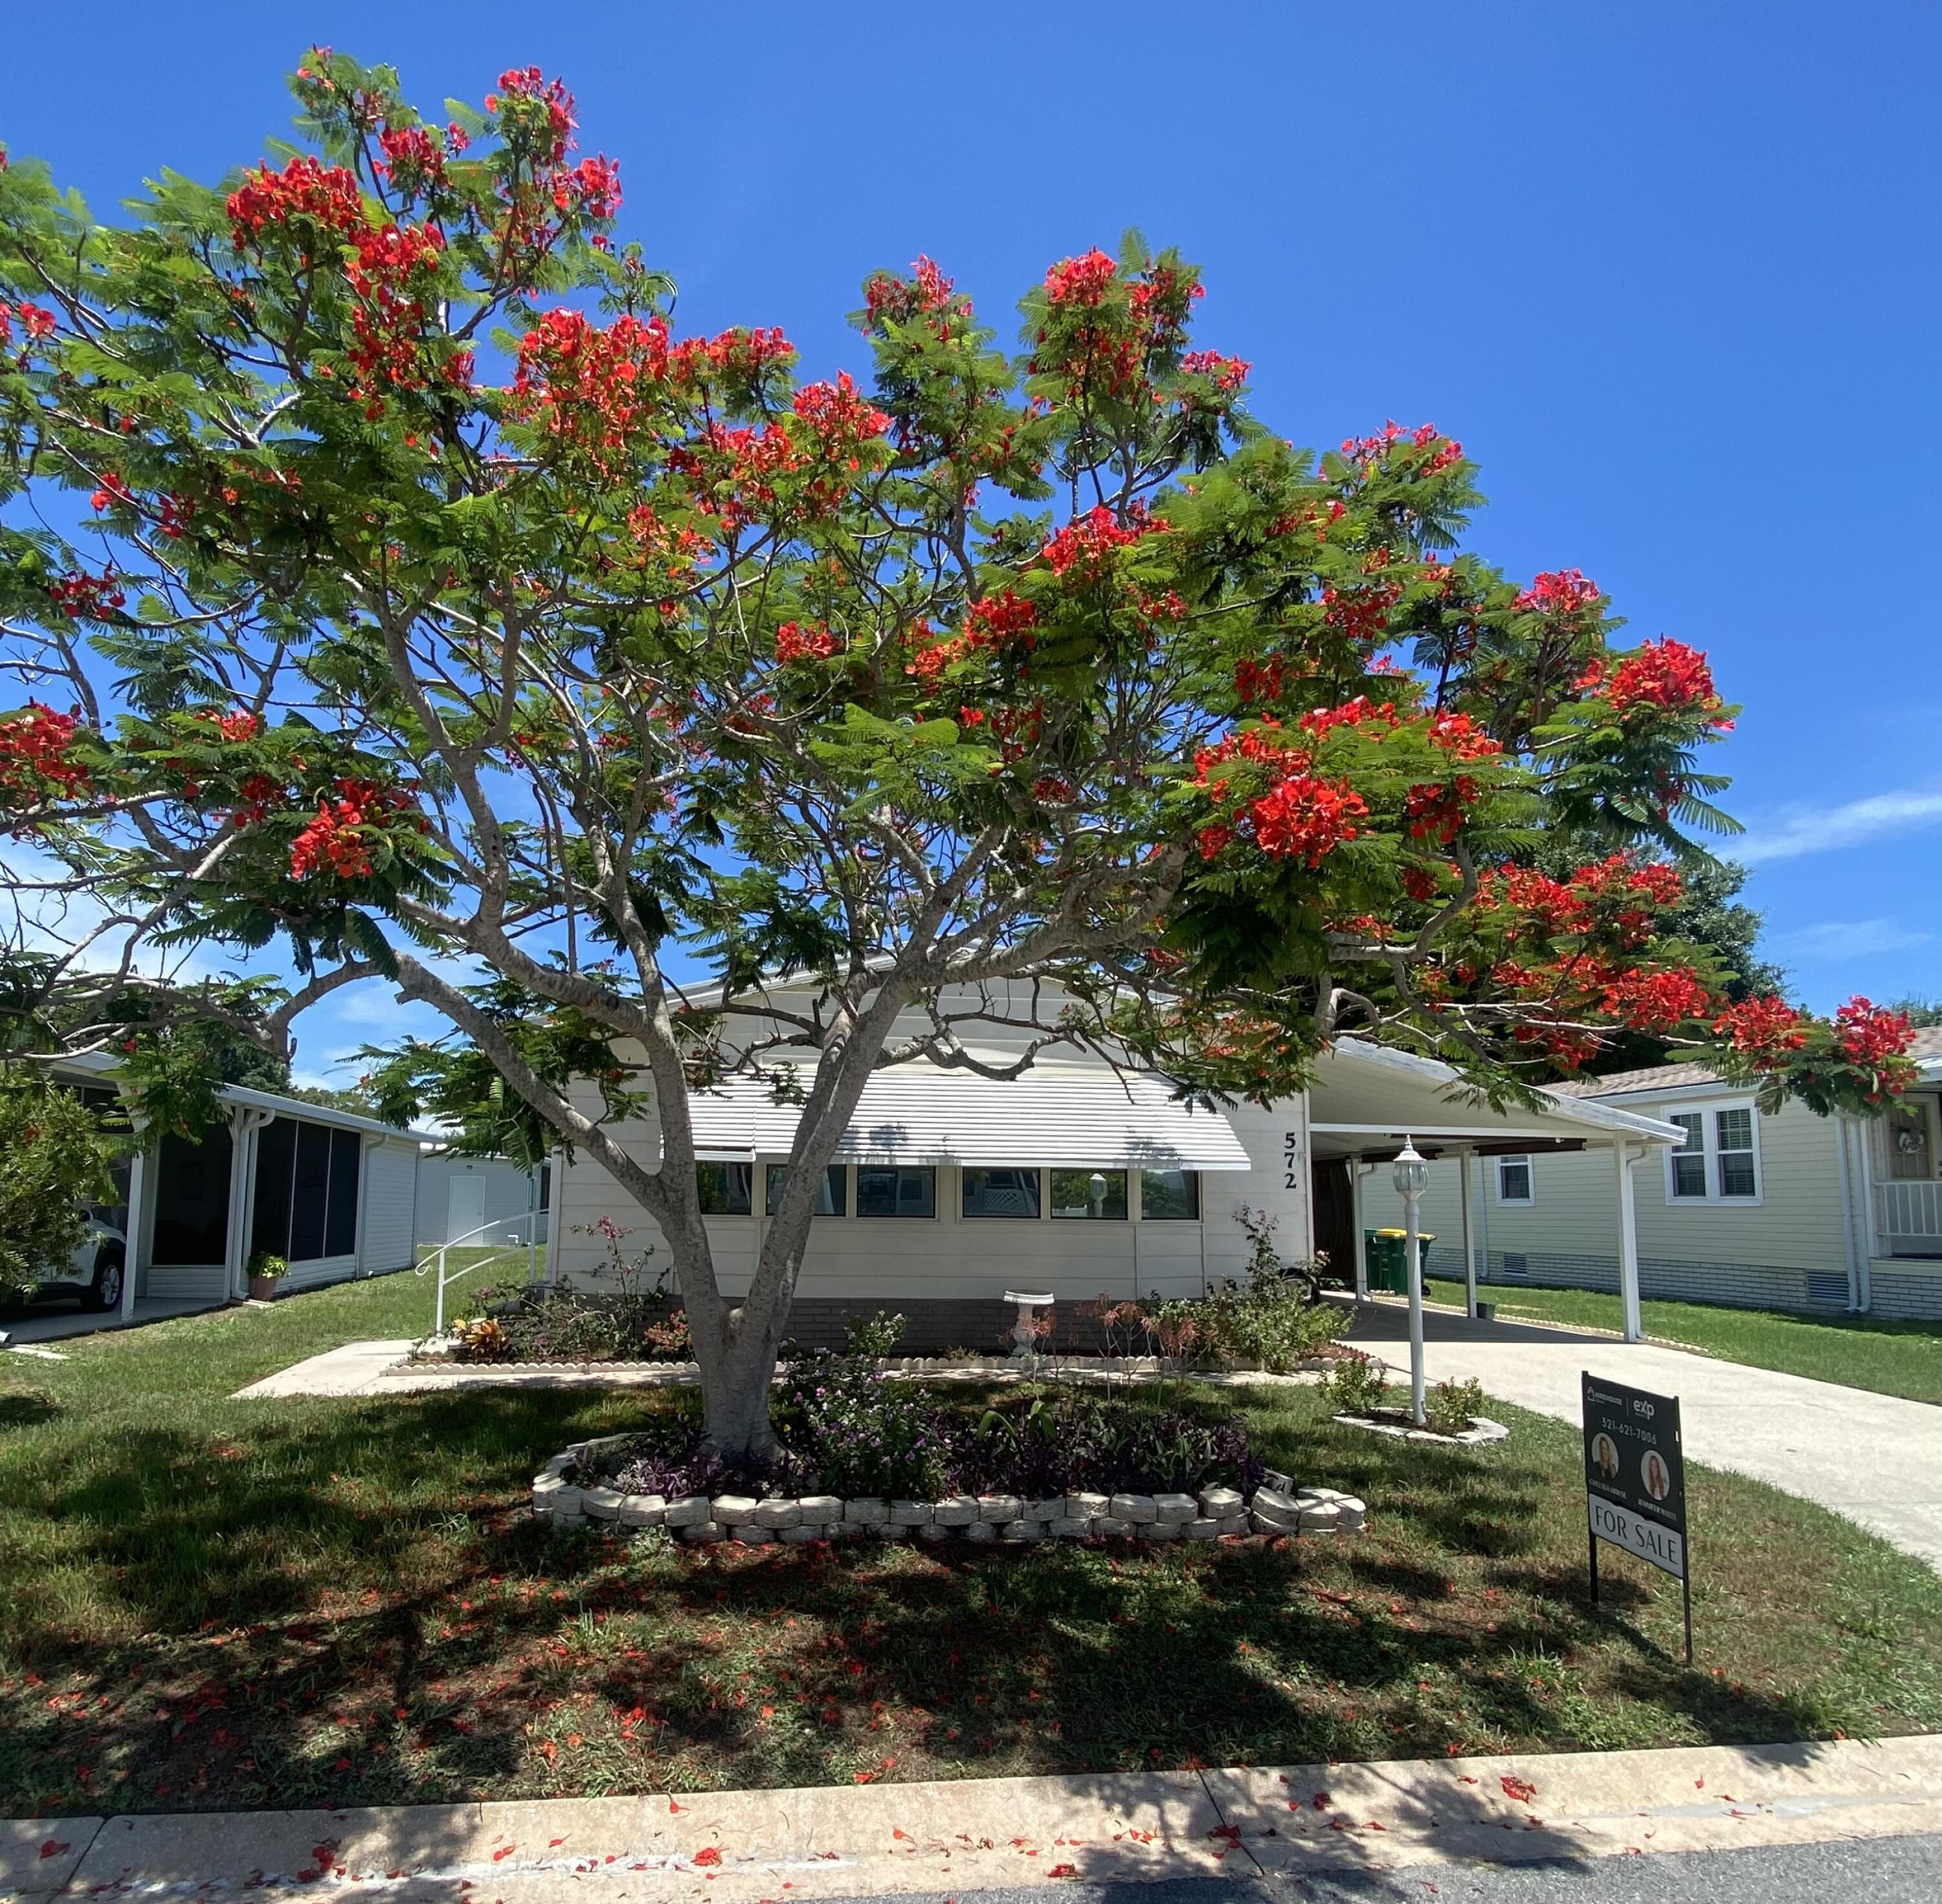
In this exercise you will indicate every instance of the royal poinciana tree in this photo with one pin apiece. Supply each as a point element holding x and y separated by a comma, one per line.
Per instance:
<point>391,593</point>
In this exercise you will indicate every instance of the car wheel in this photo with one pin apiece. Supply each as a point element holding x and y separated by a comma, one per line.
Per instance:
<point>104,1292</point>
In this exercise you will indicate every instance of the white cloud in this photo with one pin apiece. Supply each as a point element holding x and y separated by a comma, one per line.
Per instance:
<point>1798,831</point>
<point>1848,939</point>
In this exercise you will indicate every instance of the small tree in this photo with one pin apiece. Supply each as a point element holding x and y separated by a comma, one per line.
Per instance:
<point>446,610</point>
<point>54,1158</point>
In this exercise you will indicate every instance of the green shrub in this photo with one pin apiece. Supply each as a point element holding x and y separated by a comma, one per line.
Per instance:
<point>1355,1382</point>
<point>1449,1407</point>
<point>54,1159</point>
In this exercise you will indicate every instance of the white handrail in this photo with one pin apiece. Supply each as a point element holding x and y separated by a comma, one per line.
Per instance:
<point>447,1275</point>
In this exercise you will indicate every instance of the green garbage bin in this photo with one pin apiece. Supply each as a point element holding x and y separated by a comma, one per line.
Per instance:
<point>1388,1253</point>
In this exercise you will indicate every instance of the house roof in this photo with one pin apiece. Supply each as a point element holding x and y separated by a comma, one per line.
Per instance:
<point>1656,1077</point>
<point>99,1065</point>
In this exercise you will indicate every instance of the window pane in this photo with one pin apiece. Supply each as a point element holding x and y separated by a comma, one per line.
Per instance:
<point>1001,1193</point>
<point>1688,1171</point>
<point>723,1189</point>
<point>896,1190</point>
<point>1514,1179</point>
<point>1694,1126</point>
<point>1736,1174</point>
<point>1096,1193</point>
<point>311,1187</point>
<point>831,1201</point>
<point>1736,1130</point>
<point>1170,1196</point>
<point>340,1225</point>
<point>276,1157</point>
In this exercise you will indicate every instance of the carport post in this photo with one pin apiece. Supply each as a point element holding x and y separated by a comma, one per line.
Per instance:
<point>1357,1170</point>
<point>138,1188</point>
<point>1469,1237</point>
<point>1628,1269</point>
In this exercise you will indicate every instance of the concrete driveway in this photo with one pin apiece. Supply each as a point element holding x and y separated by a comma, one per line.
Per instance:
<point>1876,1459</point>
<point>56,1322</point>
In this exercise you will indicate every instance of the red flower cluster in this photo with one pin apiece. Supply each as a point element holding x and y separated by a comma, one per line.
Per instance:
<point>339,839</point>
<point>1559,591</point>
<point>795,643</point>
<point>1305,818</point>
<point>839,420</point>
<point>890,298</point>
<point>735,469</point>
<point>1462,738</point>
<point>388,317</point>
<point>82,597</point>
<point>34,754</point>
<point>1086,543</point>
<point>999,620</point>
<point>520,85</point>
<point>326,197</point>
<point>1258,680</point>
<point>1228,373</point>
<point>1871,1035</point>
<point>1664,674</point>
<point>1361,712</point>
<point>592,187</point>
<point>1369,451</point>
<point>414,158</point>
<point>575,379</point>
<point>1436,812</point>
<point>1361,612</point>
<point>242,725</point>
<point>1656,1001</point>
<point>738,353</point>
<point>34,322</point>
<point>1766,1030</point>
<point>1083,281</point>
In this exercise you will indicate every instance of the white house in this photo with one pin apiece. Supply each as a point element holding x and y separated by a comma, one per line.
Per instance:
<point>333,1193</point>
<point>949,1189</point>
<point>480,1200</point>
<point>1781,1210</point>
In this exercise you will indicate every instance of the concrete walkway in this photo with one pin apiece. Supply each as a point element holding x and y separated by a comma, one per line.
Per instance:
<point>51,1324</point>
<point>1876,1459</point>
<point>1289,1823</point>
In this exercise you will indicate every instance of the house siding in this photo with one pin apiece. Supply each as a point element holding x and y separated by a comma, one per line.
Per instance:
<point>390,1198</point>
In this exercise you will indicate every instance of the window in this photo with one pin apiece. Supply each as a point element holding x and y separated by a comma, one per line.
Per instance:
<point>723,1189</point>
<point>833,1200</point>
<point>308,1177</point>
<point>1001,1193</point>
<point>1689,1161</point>
<point>1513,1183</point>
<point>1718,1160</point>
<point>896,1190</point>
<point>1910,1154</point>
<point>1094,1193</point>
<point>1170,1196</point>
<point>1734,1153</point>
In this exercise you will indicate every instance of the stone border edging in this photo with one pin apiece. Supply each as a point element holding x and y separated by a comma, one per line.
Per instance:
<point>918,1365</point>
<point>1277,1506</point>
<point>1482,1430</point>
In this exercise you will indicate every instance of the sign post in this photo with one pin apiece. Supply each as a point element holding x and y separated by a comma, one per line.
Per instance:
<point>1635,1482</point>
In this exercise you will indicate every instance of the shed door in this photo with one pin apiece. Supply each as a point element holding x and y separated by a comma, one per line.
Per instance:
<point>465,1210</point>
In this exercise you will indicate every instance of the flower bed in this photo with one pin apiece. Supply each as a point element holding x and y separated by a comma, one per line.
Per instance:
<point>570,1492</point>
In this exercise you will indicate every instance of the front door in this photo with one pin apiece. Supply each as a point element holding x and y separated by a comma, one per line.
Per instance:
<point>465,1207</point>
<point>1332,1197</point>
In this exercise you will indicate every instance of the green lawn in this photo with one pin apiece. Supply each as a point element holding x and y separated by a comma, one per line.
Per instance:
<point>206,1602</point>
<point>1891,1358</point>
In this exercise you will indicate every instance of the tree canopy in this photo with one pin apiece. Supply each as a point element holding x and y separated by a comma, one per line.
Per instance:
<point>392,591</point>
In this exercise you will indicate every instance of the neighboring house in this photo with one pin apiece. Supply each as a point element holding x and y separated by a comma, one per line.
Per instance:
<point>480,1200</point>
<point>333,1193</point>
<point>949,1189</point>
<point>1781,1210</point>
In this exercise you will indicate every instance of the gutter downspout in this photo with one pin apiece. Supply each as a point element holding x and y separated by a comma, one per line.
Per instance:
<point>1842,1121</point>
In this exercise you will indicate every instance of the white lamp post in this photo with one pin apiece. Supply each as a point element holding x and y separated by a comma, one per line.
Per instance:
<point>1412,1179</point>
<point>1097,1186</point>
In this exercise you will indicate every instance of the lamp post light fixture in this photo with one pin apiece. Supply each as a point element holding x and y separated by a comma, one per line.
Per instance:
<point>1411,1178</point>
<point>1097,1184</point>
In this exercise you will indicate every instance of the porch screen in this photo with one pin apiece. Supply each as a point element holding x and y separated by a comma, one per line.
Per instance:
<point>192,1200</point>
<point>308,1179</point>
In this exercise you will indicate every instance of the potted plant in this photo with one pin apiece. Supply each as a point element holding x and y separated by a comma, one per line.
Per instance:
<point>265,1272</point>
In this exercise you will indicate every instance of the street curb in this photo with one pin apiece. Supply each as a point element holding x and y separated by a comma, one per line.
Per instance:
<point>974,1834</point>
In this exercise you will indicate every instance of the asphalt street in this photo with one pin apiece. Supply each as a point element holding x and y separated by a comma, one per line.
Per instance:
<point>1878,1870</point>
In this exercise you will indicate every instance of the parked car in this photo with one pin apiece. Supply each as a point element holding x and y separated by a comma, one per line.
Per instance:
<point>93,1274</point>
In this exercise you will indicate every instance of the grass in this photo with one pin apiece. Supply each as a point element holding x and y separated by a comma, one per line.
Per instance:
<point>206,1602</point>
<point>1887,1357</point>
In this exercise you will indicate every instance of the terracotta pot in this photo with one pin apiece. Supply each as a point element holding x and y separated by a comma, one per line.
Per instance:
<point>263,1289</point>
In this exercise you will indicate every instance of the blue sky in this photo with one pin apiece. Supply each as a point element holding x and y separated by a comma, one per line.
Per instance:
<point>1670,273</point>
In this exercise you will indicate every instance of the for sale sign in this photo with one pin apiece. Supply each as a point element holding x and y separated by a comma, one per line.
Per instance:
<point>1635,1480</point>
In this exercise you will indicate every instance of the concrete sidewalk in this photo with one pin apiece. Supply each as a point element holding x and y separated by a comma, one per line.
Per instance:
<point>976,1835</point>
<point>1876,1459</point>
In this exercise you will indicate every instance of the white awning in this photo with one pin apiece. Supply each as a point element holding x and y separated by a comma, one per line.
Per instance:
<point>1068,1116</point>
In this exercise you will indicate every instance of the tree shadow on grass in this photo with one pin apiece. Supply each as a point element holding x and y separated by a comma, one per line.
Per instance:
<point>27,1410</point>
